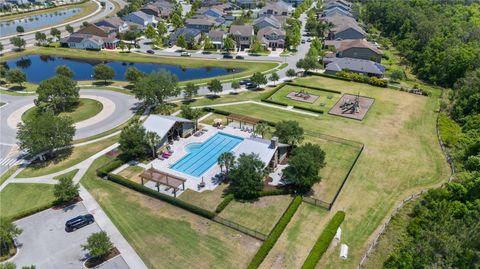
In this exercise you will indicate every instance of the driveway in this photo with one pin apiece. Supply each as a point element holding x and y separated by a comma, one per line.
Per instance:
<point>45,243</point>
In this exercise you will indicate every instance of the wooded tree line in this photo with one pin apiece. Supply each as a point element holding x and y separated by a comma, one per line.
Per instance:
<point>441,39</point>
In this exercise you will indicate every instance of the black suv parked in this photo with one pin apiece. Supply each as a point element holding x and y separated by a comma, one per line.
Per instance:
<point>78,222</point>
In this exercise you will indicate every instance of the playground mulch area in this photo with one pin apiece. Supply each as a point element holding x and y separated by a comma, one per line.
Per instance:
<point>303,97</point>
<point>364,105</point>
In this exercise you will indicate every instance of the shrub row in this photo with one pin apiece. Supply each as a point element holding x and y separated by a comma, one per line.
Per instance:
<point>152,193</point>
<point>309,109</point>
<point>374,81</point>
<point>275,233</point>
<point>314,88</point>
<point>32,211</point>
<point>224,203</point>
<point>275,192</point>
<point>218,111</point>
<point>324,241</point>
<point>109,167</point>
<point>274,102</point>
<point>277,88</point>
<point>328,76</point>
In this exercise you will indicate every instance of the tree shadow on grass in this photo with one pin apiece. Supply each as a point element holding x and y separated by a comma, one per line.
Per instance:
<point>212,96</point>
<point>102,83</point>
<point>52,158</point>
<point>17,88</point>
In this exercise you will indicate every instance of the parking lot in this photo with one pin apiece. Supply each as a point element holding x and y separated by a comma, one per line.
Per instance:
<point>45,243</point>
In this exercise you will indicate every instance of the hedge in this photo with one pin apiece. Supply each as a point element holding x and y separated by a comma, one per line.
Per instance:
<point>309,109</point>
<point>31,211</point>
<point>275,192</point>
<point>224,203</point>
<point>274,102</point>
<point>109,167</point>
<point>324,241</point>
<point>315,88</point>
<point>152,193</point>
<point>218,111</point>
<point>275,233</point>
<point>328,76</point>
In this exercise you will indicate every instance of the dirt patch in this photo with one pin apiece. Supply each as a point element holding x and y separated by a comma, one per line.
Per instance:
<point>352,106</point>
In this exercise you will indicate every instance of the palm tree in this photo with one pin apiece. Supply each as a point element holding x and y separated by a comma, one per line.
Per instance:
<point>226,159</point>
<point>153,140</point>
<point>262,128</point>
<point>8,230</point>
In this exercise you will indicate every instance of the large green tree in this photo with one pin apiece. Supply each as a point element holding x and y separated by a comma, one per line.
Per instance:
<point>8,230</point>
<point>154,88</point>
<point>190,91</point>
<point>58,92</point>
<point>18,42</point>
<point>133,75</point>
<point>289,132</point>
<point>103,72</point>
<point>64,71</point>
<point>304,167</point>
<point>133,141</point>
<point>259,78</point>
<point>44,133</point>
<point>66,190</point>
<point>246,177</point>
<point>98,245</point>
<point>16,76</point>
<point>215,86</point>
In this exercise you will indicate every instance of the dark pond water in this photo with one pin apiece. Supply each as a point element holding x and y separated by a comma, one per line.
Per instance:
<point>41,67</point>
<point>36,21</point>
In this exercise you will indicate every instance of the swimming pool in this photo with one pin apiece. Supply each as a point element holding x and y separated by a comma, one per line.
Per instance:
<point>203,156</point>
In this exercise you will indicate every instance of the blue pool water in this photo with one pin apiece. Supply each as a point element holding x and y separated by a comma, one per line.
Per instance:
<point>203,156</point>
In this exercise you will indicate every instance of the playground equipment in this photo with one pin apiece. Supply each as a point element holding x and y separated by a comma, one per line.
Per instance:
<point>351,107</point>
<point>302,94</point>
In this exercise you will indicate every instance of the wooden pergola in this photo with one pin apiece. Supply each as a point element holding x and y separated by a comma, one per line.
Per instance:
<point>242,119</point>
<point>163,178</point>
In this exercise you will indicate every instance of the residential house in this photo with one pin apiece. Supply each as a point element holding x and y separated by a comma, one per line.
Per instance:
<point>267,21</point>
<point>246,4</point>
<point>295,3</point>
<point>202,23</point>
<point>211,11</point>
<point>190,34</point>
<point>279,8</point>
<point>166,8</point>
<point>88,41</point>
<point>356,48</point>
<point>116,24</point>
<point>272,37</point>
<point>140,18</point>
<point>153,10</point>
<point>344,28</point>
<point>242,34</point>
<point>217,37</point>
<point>365,67</point>
<point>336,11</point>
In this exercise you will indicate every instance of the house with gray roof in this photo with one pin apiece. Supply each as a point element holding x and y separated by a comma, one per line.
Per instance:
<point>114,23</point>
<point>364,67</point>
<point>355,48</point>
<point>202,23</point>
<point>243,35</point>
<point>88,41</point>
<point>272,37</point>
<point>279,8</point>
<point>336,11</point>
<point>246,4</point>
<point>345,27</point>
<point>141,18</point>
<point>217,37</point>
<point>190,34</point>
<point>266,21</point>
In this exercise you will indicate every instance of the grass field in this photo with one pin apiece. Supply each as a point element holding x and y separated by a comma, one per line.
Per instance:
<point>205,199</point>
<point>19,198</point>
<point>324,102</point>
<point>260,215</point>
<point>247,67</point>
<point>294,244</point>
<point>77,155</point>
<point>401,154</point>
<point>339,158</point>
<point>85,109</point>
<point>132,173</point>
<point>165,236</point>
<point>8,173</point>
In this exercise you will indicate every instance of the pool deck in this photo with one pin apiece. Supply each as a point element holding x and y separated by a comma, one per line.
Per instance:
<point>180,150</point>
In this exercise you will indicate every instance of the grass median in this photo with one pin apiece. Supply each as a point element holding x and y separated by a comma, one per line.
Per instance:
<point>85,109</point>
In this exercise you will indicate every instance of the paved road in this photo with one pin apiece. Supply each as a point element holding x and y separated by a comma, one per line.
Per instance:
<point>30,38</point>
<point>45,243</point>
<point>123,109</point>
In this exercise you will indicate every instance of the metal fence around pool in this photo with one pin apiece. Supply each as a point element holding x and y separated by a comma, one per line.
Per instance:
<point>240,228</point>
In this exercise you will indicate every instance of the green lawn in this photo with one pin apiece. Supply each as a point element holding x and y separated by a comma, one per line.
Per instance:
<point>77,155</point>
<point>69,175</point>
<point>8,173</point>
<point>294,244</point>
<point>205,199</point>
<point>260,215</point>
<point>85,109</point>
<point>401,154</point>
<point>132,173</point>
<point>18,198</point>
<point>324,102</point>
<point>166,236</point>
